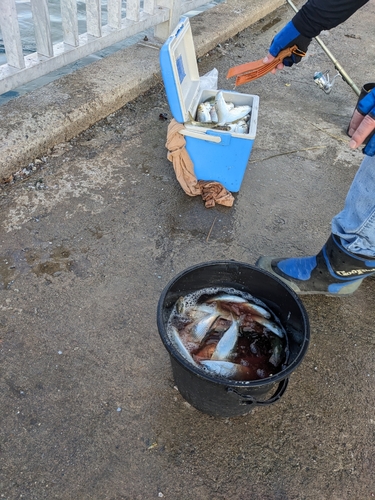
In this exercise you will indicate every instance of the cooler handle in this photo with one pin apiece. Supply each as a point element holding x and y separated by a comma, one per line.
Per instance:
<point>197,135</point>
<point>250,400</point>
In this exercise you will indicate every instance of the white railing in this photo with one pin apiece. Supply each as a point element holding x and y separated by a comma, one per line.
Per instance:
<point>121,24</point>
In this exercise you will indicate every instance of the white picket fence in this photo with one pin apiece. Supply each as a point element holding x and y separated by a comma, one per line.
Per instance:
<point>121,24</point>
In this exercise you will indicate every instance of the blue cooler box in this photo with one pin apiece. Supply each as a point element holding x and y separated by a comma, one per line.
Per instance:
<point>217,155</point>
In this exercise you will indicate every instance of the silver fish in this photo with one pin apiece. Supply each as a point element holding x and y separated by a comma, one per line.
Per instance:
<point>237,113</point>
<point>176,339</point>
<point>221,108</point>
<point>253,308</point>
<point>213,114</point>
<point>226,344</point>
<point>203,113</point>
<point>239,127</point>
<point>227,298</point>
<point>194,312</point>
<point>226,369</point>
<point>202,327</point>
<point>226,115</point>
<point>198,312</point>
<point>270,325</point>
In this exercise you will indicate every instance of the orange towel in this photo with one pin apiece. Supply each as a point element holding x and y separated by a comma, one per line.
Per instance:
<point>212,192</point>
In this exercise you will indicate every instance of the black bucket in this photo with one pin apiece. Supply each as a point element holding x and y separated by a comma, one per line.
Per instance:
<point>215,395</point>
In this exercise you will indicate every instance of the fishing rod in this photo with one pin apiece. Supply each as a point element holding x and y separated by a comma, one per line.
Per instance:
<point>322,79</point>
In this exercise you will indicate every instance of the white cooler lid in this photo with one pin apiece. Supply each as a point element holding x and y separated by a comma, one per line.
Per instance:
<point>179,70</point>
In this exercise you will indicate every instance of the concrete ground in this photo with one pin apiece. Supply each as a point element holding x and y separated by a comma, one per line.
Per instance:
<point>90,238</point>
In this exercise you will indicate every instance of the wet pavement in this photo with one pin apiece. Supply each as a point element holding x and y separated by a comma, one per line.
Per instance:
<point>90,238</point>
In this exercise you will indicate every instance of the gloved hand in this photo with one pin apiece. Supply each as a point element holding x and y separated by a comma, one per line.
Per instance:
<point>288,37</point>
<point>362,124</point>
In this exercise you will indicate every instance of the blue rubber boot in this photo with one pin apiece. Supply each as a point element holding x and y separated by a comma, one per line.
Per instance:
<point>334,271</point>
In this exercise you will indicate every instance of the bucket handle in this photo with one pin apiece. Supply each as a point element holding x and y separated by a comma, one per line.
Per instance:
<point>250,400</point>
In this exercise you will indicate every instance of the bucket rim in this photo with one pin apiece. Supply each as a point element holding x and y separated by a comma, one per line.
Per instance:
<point>278,377</point>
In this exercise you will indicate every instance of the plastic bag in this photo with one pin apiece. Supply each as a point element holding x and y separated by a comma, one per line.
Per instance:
<point>209,80</point>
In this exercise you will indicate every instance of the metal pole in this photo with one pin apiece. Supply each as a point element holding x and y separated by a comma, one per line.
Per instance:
<point>338,66</point>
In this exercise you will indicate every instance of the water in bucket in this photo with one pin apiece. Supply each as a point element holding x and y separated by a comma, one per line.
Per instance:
<point>228,333</point>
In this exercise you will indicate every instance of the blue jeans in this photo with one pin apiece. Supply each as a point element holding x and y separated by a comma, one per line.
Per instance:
<point>355,225</point>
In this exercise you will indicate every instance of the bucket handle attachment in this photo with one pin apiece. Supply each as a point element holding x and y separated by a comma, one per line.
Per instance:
<point>250,400</point>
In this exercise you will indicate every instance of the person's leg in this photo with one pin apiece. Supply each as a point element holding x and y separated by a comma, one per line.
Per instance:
<point>355,225</point>
<point>348,256</point>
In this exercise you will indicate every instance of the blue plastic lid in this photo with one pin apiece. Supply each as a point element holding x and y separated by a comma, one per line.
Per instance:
<point>179,70</point>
